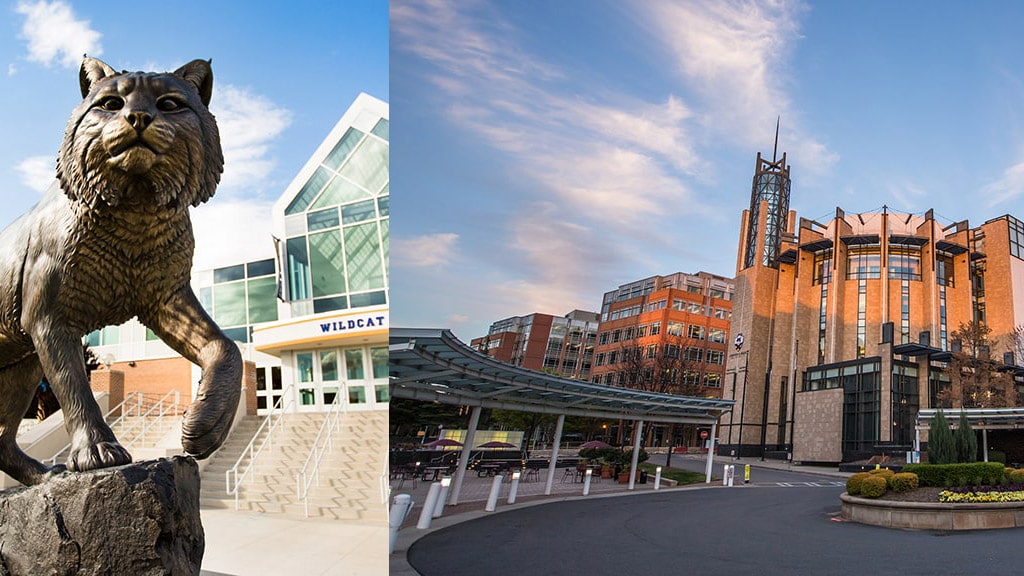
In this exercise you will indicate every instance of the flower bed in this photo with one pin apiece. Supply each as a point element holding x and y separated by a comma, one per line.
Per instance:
<point>975,494</point>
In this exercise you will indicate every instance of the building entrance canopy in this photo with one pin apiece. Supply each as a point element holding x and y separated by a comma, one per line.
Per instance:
<point>433,365</point>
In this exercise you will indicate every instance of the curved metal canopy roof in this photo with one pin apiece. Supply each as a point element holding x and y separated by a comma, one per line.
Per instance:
<point>433,365</point>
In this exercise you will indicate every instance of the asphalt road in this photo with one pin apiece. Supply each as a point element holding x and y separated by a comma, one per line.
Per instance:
<point>763,529</point>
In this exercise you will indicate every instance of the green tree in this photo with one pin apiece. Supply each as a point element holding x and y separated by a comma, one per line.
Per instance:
<point>965,440</point>
<point>941,447</point>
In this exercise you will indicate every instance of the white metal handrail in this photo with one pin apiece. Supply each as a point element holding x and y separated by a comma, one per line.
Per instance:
<point>232,479</point>
<point>305,477</point>
<point>148,420</point>
<point>130,400</point>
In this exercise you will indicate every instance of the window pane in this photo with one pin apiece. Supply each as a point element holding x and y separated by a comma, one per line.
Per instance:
<point>229,304</point>
<point>263,300</point>
<point>343,148</point>
<point>362,255</point>
<point>383,393</point>
<point>323,219</point>
<point>329,304</point>
<point>298,269</point>
<point>354,364</point>
<point>261,268</point>
<point>339,191</point>
<point>229,274</point>
<point>309,192</point>
<point>357,395</point>
<point>326,264</point>
<point>358,212</point>
<point>237,334</point>
<point>304,366</point>
<point>380,362</point>
<point>384,205</point>
<point>329,365</point>
<point>369,299</point>
<point>93,338</point>
<point>369,165</point>
<point>382,129</point>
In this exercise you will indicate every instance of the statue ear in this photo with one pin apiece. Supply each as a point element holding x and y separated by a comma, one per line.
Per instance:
<point>199,74</point>
<point>93,71</point>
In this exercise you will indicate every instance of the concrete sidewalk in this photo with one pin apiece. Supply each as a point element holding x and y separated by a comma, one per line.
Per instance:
<point>241,543</point>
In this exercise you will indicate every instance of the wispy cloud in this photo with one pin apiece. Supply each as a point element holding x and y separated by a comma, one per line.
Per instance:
<point>55,35</point>
<point>248,123</point>
<point>525,106</point>
<point>734,55</point>
<point>1009,186</point>
<point>37,172</point>
<point>429,250</point>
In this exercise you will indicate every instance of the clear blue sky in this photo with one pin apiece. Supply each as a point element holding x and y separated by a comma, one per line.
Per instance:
<point>284,73</point>
<point>548,152</point>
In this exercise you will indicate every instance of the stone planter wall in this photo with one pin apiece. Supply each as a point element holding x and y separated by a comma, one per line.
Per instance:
<point>932,515</point>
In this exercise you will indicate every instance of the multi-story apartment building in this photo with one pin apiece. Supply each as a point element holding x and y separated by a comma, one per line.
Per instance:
<point>843,330</point>
<point>665,334</point>
<point>562,345</point>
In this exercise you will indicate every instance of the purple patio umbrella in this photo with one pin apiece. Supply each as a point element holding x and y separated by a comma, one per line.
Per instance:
<point>496,444</point>
<point>595,444</point>
<point>443,443</point>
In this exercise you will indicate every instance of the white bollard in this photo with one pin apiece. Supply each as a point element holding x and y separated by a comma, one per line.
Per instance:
<point>586,481</point>
<point>400,508</point>
<point>657,478</point>
<point>492,498</point>
<point>442,497</point>
<point>725,475</point>
<point>732,473</point>
<point>514,488</point>
<point>428,506</point>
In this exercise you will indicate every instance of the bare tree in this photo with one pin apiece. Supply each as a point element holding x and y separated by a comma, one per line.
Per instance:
<point>975,380</point>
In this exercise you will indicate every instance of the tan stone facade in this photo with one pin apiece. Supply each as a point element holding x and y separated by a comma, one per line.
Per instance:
<point>842,332</point>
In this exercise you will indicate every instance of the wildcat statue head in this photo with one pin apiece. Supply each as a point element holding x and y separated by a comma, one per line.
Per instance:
<point>141,140</point>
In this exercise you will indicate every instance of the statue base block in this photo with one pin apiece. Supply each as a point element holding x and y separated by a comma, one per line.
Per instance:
<point>142,518</point>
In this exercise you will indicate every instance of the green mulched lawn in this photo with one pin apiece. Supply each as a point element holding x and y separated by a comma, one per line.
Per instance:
<point>680,476</point>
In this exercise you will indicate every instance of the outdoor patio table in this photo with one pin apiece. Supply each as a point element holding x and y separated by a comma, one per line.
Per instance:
<point>433,472</point>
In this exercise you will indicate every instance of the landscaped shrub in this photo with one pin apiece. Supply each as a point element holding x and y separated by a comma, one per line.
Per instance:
<point>941,447</point>
<point>965,441</point>
<point>903,482</point>
<point>997,456</point>
<point>854,482</point>
<point>1015,476</point>
<point>948,475</point>
<point>884,472</point>
<point>873,486</point>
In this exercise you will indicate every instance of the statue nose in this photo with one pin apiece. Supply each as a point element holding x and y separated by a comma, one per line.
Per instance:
<point>139,119</point>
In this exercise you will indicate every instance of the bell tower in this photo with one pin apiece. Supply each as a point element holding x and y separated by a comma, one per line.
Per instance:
<point>748,375</point>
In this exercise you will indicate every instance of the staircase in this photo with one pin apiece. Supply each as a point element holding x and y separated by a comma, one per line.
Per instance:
<point>349,476</point>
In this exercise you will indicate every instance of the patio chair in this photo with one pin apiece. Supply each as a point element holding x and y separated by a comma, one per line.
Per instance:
<point>532,474</point>
<point>569,474</point>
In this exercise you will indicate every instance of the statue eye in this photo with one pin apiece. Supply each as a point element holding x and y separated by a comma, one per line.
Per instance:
<point>168,104</point>
<point>112,103</point>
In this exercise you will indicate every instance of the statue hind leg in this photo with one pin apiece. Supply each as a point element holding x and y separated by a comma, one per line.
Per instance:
<point>18,383</point>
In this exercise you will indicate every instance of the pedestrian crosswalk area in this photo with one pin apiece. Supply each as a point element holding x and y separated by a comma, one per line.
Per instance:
<point>822,484</point>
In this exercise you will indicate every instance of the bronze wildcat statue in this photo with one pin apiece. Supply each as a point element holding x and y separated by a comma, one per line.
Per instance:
<point>113,241</point>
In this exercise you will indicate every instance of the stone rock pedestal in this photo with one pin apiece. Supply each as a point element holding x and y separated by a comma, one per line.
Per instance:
<point>142,518</point>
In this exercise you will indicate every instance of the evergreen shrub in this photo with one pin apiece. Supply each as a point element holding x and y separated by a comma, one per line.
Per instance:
<point>853,483</point>
<point>873,486</point>
<point>903,482</point>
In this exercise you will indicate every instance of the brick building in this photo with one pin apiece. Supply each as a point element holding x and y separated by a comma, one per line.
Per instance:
<point>842,330</point>
<point>557,345</point>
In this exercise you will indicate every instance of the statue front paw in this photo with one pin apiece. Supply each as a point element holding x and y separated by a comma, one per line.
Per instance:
<point>98,455</point>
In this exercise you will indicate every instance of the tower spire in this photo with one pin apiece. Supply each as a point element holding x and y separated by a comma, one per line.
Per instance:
<point>775,153</point>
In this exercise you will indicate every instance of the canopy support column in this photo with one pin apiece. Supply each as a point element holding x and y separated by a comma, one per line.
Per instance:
<point>636,453</point>
<point>712,441</point>
<point>984,443</point>
<point>460,473</point>
<point>554,454</point>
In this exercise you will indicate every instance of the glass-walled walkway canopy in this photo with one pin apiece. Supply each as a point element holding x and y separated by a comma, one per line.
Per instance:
<point>433,365</point>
